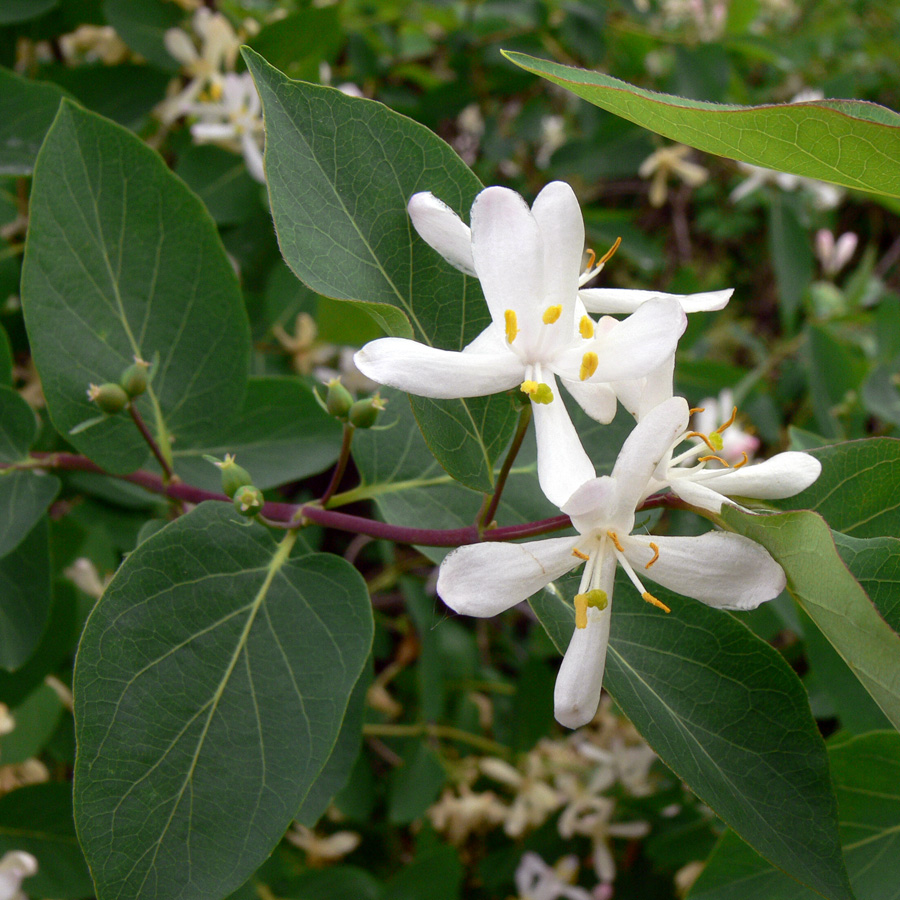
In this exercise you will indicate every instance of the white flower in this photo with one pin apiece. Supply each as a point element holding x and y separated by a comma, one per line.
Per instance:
<point>720,569</point>
<point>667,161</point>
<point>234,121</point>
<point>15,866</point>
<point>706,477</point>
<point>535,880</point>
<point>834,255</point>
<point>204,68</point>
<point>738,446</point>
<point>528,262</point>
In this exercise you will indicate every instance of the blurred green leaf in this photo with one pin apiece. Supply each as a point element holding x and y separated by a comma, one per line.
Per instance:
<point>122,260</point>
<point>22,10</point>
<point>27,109</point>
<point>415,784</point>
<point>235,642</point>
<point>836,371</point>
<point>866,772</point>
<point>347,235</point>
<point>847,142</point>
<point>437,875</point>
<point>6,360</point>
<point>297,43</point>
<point>819,581</point>
<point>792,259</point>
<point>36,719</point>
<point>222,182</point>
<point>142,24</point>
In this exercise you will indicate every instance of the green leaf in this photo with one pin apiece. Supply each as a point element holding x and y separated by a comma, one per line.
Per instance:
<point>281,434</point>
<point>437,875</point>
<point>866,772</point>
<point>21,10</point>
<point>857,490</point>
<point>875,564</point>
<point>219,704</point>
<point>123,260</point>
<point>38,819</point>
<point>819,581</point>
<point>27,109</point>
<point>792,259</point>
<point>836,371</point>
<point>36,719</point>
<point>727,714</point>
<point>6,360</point>
<point>18,426</point>
<point>142,24</point>
<point>297,43</point>
<point>849,142</point>
<point>24,580</point>
<point>347,235</point>
<point>220,178</point>
<point>415,784</point>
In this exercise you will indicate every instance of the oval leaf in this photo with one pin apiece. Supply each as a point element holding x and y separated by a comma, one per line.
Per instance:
<point>849,142</point>
<point>122,260</point>
<point>210,687</point>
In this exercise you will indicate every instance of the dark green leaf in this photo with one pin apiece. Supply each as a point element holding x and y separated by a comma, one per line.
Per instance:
<point>415,784</point>
<point>346,234</point>
<point>18,426</point>
<point>222,182</point>
<point>866,772</point>
<point>875,564</point>
<point>336,883</point>
<point>36,719</point>
<point>27,109</point>
<point>297,43</point>
<point>857,490</point>
<point>24,498</point>
<point>836,370</point>
<point>437,875</point>
<point>848,142</point>
<point>21,10</point>
<point>6,361</point>
<point>819,581</point>
<point>792,259</point>
<point>219,704</point>
<point>123,260</point>
<point>142,24</point>
<point>38,820</point>
<point>725,712</point>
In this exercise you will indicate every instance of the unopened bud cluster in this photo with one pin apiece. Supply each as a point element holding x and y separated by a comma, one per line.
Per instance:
<point>238,485</point>
<point>339,403</point>
<point>112,398</point>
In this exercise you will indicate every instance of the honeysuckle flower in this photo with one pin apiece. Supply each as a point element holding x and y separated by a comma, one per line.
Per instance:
<point>204,68</point>
<point>666,162</point>
<point>834,255</point>
<point>528,262</point>
<point>233,121</point>
<point>535,880</point>
<point>322,849</point>
<point>706,477</point>
<point>15,867</point>
<point>738,446</point>
<point>720,569</point>
<point>94,43</point>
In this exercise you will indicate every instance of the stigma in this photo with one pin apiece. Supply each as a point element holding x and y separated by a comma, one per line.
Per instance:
<point>539,393</point>
<point>596,598</point>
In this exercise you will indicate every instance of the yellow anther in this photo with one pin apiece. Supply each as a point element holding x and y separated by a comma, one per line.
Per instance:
<point>615,539</point>
<point>744,461</point>
<point>580,555</point>
<point>581,605</point>
<point>552,313</point>
<point>528,387</point>
<point>215,91</point>
<point>592,258</point>
<point>713,456</point>
<point>703,438</point>
<point>586,327</point>
<point>696,409</point>
<point>717,441</point>
<point>655,550</point>
<point>609,253</point>
<point>654,602</point>
<point>589,363</point>
<point>512,325</point>
<point>727,424</point>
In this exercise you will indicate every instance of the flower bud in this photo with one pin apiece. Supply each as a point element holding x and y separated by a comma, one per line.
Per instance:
<point>248,500</point>
<point>234,477</point>
<point>364,413</point>
<point>134,379</point>
<point>111,398</point>
<point>338,400</point>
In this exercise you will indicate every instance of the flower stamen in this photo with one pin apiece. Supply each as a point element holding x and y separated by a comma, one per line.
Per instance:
<point>609,253</point>
<point>589,363</point>
<point>576,552</point>
<point>615,539</point>
<point>713,456</point>
<point>655,550</point>
<point>696,409</point>
<point>654,602</point>
<point>702,437</point>
<point>727,424</point>
<point>744,461</point>
<point>552,313</point>
<point>586,327</point>
<point>512,325</point>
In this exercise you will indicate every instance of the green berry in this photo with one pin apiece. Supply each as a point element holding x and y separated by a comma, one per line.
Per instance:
<point>234,477</point>
<point>134,379</point>
<point>111,398</point>
<point>364,413</point>
<point>248,500</point>
<point>338,400</point>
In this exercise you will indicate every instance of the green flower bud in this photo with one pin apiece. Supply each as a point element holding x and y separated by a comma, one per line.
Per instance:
<point>364,413</point>
<point>248,500</point>
<point>134,379</point>
<point>338,400</point>
<point>111,398</point>
<point>234,477</point>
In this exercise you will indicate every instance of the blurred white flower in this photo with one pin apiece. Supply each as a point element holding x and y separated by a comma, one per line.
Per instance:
<point>534,800</point>
<point>94,43</point>
<point>15,867</point>
<point>535,880</point>
<point>322,849</point>
<point>735,441</point>
<point>668,162</point>
<point>458,816</point>
<point>835,254</point>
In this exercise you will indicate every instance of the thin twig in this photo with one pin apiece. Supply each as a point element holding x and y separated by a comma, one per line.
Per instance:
<point>521,430</point>
<point>442,732</point>
<point>341,465</point>
<point>151,442</point>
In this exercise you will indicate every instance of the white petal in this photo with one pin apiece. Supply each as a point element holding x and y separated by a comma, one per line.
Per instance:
<point>485,579</point>
<point>580,679</point>
<point>443,230</point>
<point>697,494</point>
<point>509,257</point>
<point>643,394</point>
<point>644,448</point>
<point>253,157</point>
<point>180,46</point>
<point>441,374</point>
<point>559,217</point>
<point>620,300</point>
<point>597,400</point>
<point>718,568</point>
<point>784,475</point>
<point>590,497</point>
<point>563,465</point>
<point>213,131</point>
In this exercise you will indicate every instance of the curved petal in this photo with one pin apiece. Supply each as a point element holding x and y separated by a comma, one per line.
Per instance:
<point>442,229</point>
<point>180,45</point>
<point>718,568</point>
<point>508,252</point>
<point>620,300</point>
<point>213,131</point>
<point>562,462</point>
<point>584,503</point>
<point>441,374</point>
<point>784,475</point>
<point>636,347</point>
<point>559,217</point>
<point>651,439</point>
<point>485,579</point>
<point>641,395</point>
<point>580,679</point>
<point>697,494</point>
<point>597,400</point>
